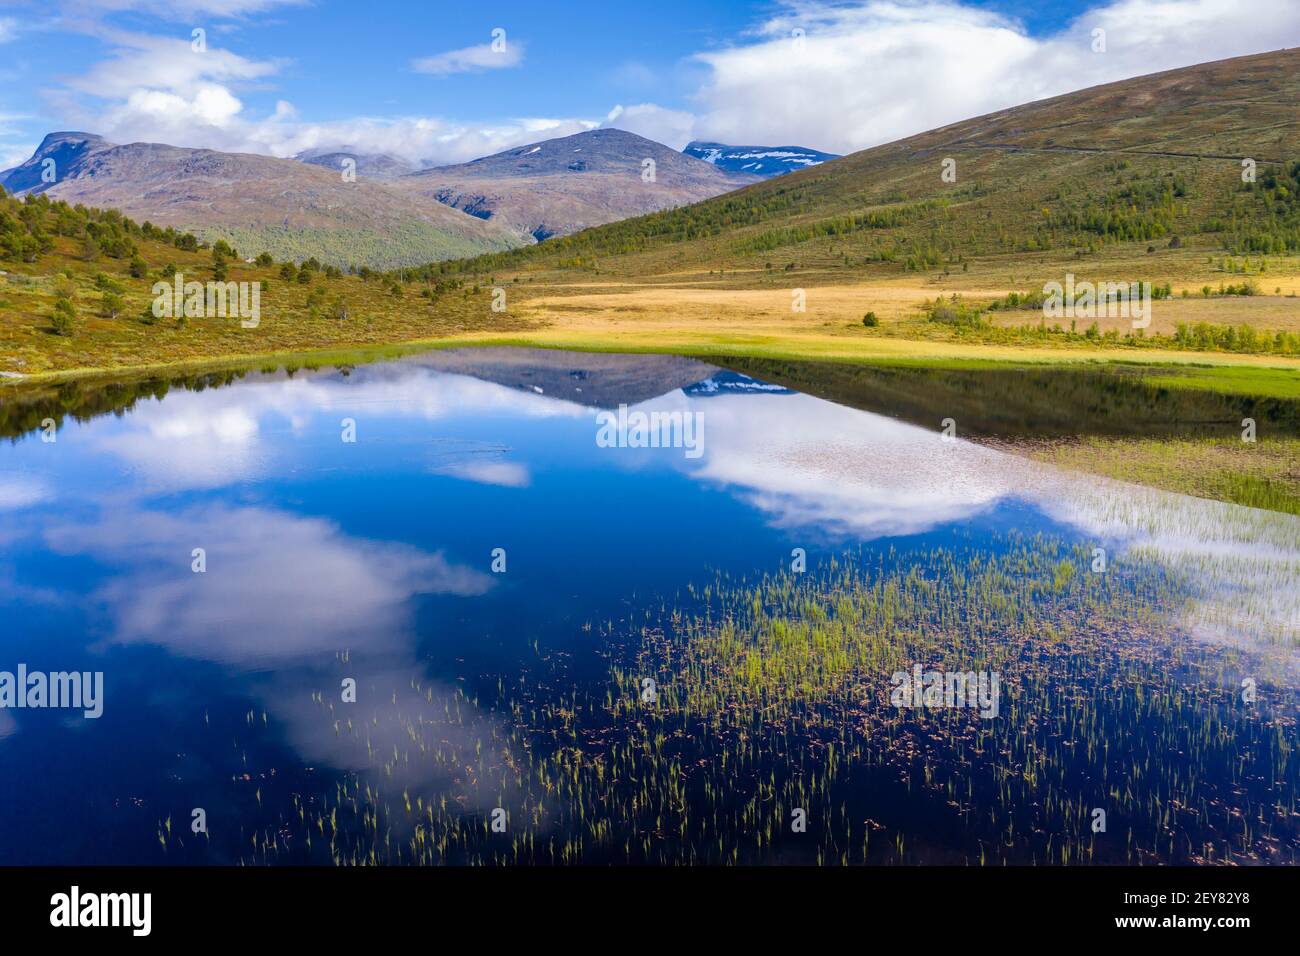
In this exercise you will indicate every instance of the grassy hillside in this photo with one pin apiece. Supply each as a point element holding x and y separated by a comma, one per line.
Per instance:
<point>76,292</point>
<point>1133,163</point>
<point>1134,181</point>
<point>400,245</point>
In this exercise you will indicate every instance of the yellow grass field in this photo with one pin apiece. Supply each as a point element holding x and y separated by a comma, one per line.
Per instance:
<point>760,322</point>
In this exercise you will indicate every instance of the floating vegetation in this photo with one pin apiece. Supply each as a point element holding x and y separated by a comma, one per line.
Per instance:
<point>754,724</point>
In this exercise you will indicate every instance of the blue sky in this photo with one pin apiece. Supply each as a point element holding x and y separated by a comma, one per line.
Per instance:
<point>419,79</point>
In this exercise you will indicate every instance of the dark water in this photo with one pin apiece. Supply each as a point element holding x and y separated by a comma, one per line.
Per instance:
<point>373,560</point>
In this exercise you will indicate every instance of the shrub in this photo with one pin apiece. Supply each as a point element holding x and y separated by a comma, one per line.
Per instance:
<point>112,304</point>
<point>63,317</point>
<point>954,312</point>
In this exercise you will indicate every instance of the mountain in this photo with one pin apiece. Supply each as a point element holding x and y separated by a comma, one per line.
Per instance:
<point>727,382</point>
<point>65,150</point>
<point>258,203</point>
<point>765,161</point>
<point>560,186</point>
<point>594,379</point>
<point>379,166</point>
<point>1146,165</point>
<point>392,214</point>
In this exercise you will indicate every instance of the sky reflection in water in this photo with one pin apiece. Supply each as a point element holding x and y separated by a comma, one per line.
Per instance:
<point>378,553</point>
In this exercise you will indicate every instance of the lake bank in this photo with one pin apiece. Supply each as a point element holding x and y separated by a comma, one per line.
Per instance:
<point>1176,428</point>
<point>1261,374</point>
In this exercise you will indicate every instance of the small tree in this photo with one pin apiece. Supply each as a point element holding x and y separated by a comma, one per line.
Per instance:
<point>139,268</point>
<point>64,316</point>
<point>113,304</point>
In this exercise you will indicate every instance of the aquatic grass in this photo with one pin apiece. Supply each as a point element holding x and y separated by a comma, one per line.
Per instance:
<point>773,694</point>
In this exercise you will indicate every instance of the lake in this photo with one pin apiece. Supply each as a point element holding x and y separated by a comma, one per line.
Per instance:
<point>513,606</point>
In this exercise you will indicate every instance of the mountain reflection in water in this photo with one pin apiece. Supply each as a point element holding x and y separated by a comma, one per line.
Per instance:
<point>373,560</point>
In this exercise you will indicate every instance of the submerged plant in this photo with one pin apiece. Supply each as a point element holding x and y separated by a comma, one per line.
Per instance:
<point>772,735</point>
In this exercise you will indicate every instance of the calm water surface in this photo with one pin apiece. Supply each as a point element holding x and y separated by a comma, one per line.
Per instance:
<point>374,560</point>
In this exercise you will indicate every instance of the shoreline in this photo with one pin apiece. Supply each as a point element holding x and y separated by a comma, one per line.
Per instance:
<point>897,352</point>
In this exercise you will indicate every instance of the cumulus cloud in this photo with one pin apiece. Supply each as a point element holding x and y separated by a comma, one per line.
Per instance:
<point>860,74</point>
<point>670,127</point>
<point>417,139</point>
<point>301,580</point>
<point>846,77</point>
<point>158,89</point>
<point>472,59</point>
<point>143,62</point>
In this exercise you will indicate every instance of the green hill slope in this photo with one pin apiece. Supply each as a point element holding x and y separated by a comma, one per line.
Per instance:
<point>1155,160</point>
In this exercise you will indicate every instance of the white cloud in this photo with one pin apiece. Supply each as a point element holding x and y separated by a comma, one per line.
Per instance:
<point>866,73</point>
<point>203,122</point>
<point>142,62</point>
<point>302,580</point>
<point>876,71</point>
<point>11,156</point>
<point>506,474</point>
<point>670,127</point>
<point>12,149</point>
<point>8,29</point>
<point>472,59</point>
<point>158,89</point>
<point>18,492</point>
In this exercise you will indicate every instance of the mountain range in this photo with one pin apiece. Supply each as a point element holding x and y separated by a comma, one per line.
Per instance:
<point>764,161</point>
<point>257,203</point>
<point>560,186</point>
<point>379,166</point>
<point>389,213</point>
<point>1154,158</point>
